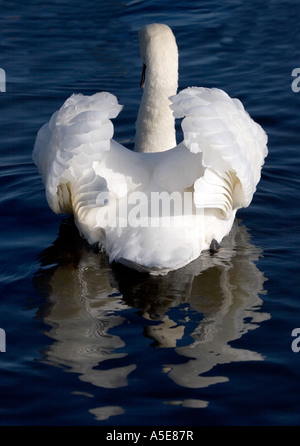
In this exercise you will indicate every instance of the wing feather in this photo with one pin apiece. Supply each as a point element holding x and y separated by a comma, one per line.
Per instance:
<point>76,136</point>
<point>233,147</point>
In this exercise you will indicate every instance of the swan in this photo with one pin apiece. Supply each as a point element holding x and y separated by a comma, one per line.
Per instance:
<point>158,207</point>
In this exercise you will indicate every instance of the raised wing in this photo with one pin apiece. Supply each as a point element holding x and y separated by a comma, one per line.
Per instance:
<point>66,147</point>
<point>233,147</point>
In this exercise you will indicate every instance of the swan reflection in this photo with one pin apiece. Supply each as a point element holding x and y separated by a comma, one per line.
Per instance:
<point>197,311</point>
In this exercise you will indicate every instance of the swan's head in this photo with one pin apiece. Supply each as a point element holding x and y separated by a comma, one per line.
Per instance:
<point>159,54</point>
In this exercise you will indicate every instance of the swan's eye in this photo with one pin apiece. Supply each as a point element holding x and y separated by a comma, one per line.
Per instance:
<point>142,82</point>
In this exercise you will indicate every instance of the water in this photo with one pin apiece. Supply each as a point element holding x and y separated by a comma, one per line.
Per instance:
<point>92,344</point>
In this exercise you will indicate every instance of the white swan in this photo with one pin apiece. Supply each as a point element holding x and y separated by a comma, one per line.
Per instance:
<point>158,207</point>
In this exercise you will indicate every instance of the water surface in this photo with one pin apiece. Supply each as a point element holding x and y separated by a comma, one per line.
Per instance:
<point>88,343</point>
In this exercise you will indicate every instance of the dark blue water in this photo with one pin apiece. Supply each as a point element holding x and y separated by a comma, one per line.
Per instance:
<point>92,344</point>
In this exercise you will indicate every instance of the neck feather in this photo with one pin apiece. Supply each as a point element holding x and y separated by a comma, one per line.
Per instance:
<point>155,125</point>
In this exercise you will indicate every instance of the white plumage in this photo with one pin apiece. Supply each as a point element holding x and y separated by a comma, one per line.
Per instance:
<point>158,207</point>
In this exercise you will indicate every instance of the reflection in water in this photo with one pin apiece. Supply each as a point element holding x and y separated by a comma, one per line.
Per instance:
<point>87,297</point>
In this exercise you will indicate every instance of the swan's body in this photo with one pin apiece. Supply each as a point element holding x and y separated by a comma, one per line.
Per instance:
<point>158,207</point>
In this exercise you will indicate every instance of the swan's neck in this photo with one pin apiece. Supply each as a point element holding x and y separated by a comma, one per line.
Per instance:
<point>155,125</point>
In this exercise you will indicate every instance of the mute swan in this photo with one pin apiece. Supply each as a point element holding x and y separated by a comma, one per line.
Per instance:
<point>158,207</point>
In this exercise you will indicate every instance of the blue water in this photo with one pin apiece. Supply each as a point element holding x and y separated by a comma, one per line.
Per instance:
<point>88,343</point>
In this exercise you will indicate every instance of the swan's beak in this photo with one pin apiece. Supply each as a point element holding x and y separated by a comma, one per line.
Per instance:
<point>143,76</point>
